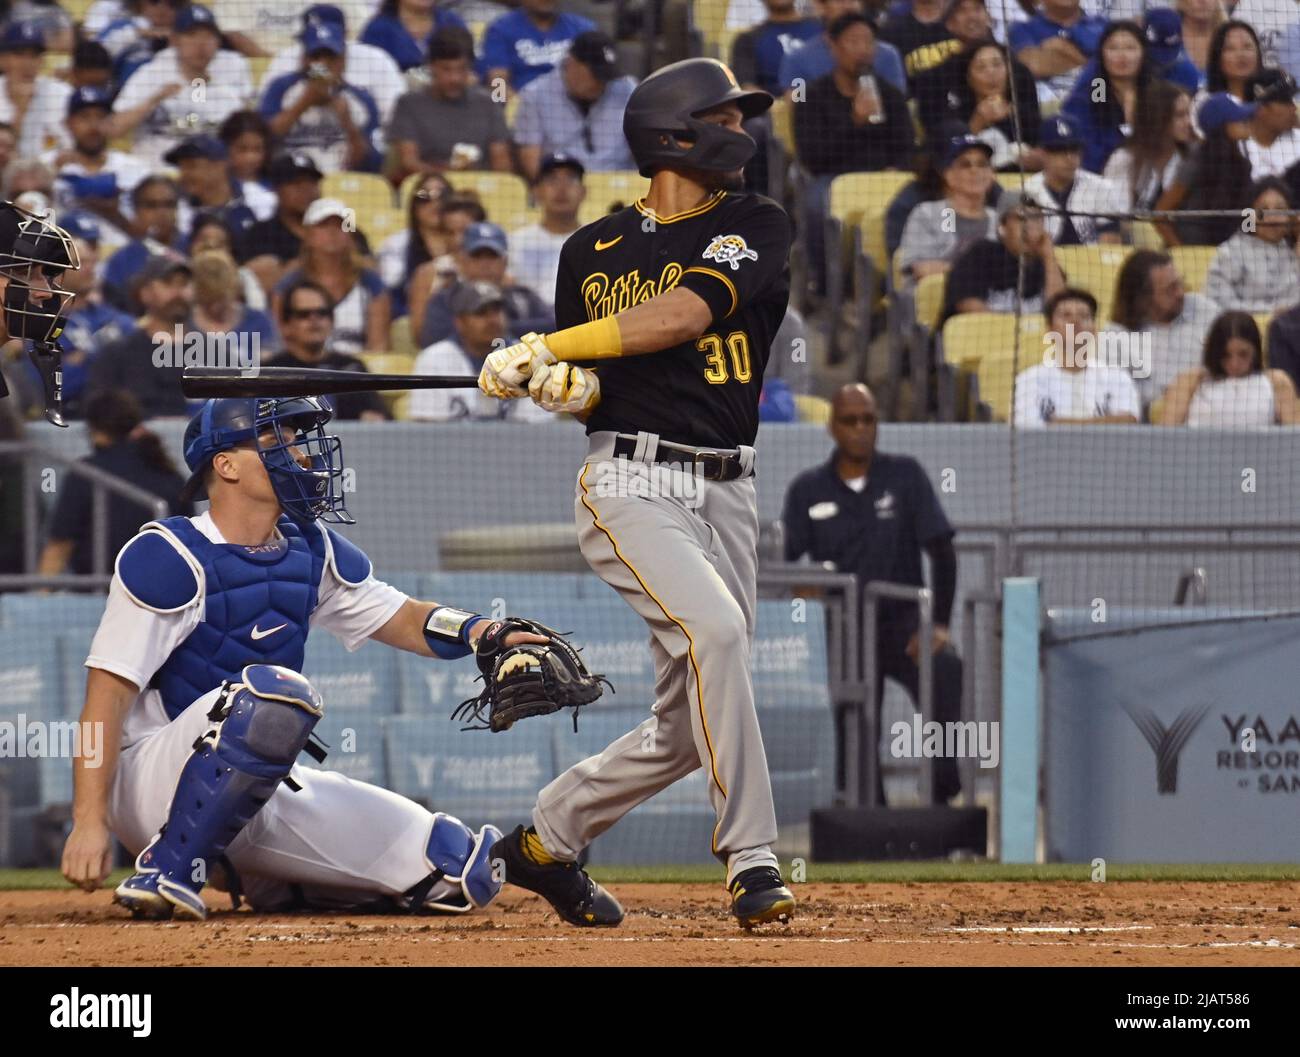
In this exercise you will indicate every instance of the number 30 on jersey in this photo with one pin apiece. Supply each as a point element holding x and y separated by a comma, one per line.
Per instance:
<point>717,351</point>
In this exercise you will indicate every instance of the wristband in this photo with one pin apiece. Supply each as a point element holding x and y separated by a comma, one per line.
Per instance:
<point>598,340</point>
<point>446,630</point>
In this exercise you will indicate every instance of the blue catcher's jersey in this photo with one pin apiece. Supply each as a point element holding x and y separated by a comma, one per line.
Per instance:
<point>257,601</point>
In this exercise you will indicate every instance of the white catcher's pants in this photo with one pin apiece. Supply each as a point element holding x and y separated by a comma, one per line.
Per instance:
<point>340,842</point>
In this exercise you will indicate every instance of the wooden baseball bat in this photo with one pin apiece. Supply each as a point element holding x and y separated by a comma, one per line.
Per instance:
<point>201,383</point>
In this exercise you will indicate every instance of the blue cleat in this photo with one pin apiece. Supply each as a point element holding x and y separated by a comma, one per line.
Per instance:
<point>151,896</point>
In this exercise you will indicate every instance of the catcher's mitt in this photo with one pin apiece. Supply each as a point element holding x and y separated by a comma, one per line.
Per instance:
<point>527,680</point>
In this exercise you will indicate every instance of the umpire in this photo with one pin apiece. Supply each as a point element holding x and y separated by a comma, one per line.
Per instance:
<point>872,514</point>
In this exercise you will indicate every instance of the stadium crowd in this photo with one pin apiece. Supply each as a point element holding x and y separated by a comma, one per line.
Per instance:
<point>387,185</point>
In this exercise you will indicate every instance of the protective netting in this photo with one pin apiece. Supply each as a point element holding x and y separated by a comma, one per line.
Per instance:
<point>327,178</point>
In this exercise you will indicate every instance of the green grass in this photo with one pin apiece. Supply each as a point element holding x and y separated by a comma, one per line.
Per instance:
<point>858,873</point>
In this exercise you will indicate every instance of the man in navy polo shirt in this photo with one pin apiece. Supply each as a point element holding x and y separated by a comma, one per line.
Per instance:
<point>872,514</point>
<point>527,43</point>
<point>1055,44</point>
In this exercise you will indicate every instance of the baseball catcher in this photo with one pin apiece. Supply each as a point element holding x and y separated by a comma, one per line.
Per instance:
<point>195,674</point>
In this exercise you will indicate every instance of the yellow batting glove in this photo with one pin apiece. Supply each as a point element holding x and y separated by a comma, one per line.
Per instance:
<point>506,372</point>
<point>565,387</point>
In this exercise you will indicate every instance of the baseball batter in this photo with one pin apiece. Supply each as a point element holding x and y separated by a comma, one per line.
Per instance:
<point>667,311</point>
<point>194,673</point>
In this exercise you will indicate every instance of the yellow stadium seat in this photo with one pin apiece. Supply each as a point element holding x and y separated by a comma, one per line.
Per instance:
<point>476,30</point>
<point>971,336</point>
<point>1012,181</point>
<point>1193,264</point>
<point>378,224</point>
<point>996,378</point>
<point>512,109</point>
<point>621,187</point>
<point>392,363</point>
<point>1146,237</point>
<point>929,300</point>
<point>400,407</point>
<point>711,20</point>
<point>504,195</point>
<point>1095,269</point>
<point>813,409</point>
<point>54,63</point>
<point>1262,320</point>
<point>859,200</point>
<point>400,340</point>
<point>362,191</point>
<point>783,124</point>
<point>725,39</point>
<point>389,362</point>
<point>258,65</point>
<point>76,9</point>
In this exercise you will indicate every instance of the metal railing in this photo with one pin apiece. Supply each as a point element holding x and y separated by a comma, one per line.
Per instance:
<point>35,461</point>
<point>843,636</point>
<point>868,736</point>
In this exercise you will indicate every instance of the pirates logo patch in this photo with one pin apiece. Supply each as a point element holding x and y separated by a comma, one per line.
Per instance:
<point>729,249</point>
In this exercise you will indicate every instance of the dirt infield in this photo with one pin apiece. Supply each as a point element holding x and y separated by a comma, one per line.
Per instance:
<point>974,923</point>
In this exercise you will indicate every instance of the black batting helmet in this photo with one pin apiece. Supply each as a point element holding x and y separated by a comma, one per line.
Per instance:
<point>663,109</point>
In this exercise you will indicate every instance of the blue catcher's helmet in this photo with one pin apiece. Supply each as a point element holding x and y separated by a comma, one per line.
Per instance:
<point>304,463</point>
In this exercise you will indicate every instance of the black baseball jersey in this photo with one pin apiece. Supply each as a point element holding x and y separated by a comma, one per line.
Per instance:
<point>733,251</point>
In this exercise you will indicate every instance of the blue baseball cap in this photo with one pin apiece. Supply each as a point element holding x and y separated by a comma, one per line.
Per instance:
<point>324,13</point>
<point>22,36</point>
<point>1164,33</point>
<point>1223,108</point>
<point>484,236</point>
<point>955,146</point>
<point>81,226</point>
<point>196,16</point>
<point>204,145</point>
<point>560,160</point>
<point>322,36</point>
<point>1059,133</point>
<point>88,98</point>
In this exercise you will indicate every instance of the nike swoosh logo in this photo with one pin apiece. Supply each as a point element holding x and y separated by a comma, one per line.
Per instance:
<point>606,245</point>
<point>259,634</point>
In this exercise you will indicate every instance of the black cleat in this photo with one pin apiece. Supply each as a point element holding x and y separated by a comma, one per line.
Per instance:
<point>565,885</point>
<point>758,896</point>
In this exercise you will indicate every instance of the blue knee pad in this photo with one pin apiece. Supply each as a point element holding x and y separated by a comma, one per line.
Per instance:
<point>457,854</point>
<point>265,721</point>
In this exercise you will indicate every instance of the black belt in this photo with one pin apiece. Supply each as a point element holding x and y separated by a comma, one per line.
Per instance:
<point>709,463</point>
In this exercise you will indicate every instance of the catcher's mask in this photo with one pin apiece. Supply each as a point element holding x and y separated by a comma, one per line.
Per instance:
<point>303,462</point>
<point>34,254</point>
